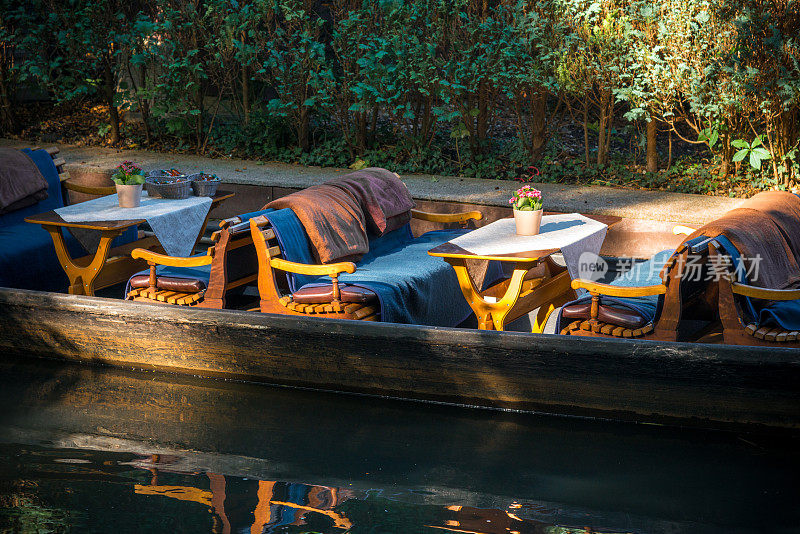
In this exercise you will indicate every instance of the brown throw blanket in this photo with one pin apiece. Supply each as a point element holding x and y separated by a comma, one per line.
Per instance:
<point>383,197</point>
<point>784,208</point>
<point>755,234</point>
<point>21,183</point>
<point>333,220</point>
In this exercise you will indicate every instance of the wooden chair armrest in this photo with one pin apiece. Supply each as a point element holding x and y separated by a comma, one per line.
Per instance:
<point>330,269</point>
<point>89,190</point>
<point>172,261</point>
<point>446,217</point>
<point>682,230</point>
<point>763,293</point>
<point>597,288</point>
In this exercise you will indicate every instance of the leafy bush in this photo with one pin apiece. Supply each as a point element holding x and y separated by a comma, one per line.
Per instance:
<point>432,85</point>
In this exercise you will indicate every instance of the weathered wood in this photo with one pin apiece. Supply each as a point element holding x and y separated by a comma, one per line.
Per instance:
<point>633,380</point>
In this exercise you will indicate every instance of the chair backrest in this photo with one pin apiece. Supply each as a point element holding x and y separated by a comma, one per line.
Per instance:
<point>270,287</point>
<point>235,263</point>
<point>55,196</point>
<point>689,293</point>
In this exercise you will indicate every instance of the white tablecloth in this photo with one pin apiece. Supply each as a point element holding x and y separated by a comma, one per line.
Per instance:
<point>176,223</point>
<point>572,233</point>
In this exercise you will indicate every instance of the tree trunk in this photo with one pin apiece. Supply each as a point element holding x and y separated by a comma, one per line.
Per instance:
<point>586,130</point>
<point>602,155</point>
<point>652,149</point>
<point>725,168</point>
<point>302,129</point>
<point>110,92</point>
<point>482,123</point>
<point>246,94</point>
<point>7,118</point>
<point>538,125</point>
<point>669,152</point>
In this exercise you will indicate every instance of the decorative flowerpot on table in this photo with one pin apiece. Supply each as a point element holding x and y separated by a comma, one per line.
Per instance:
<point>129,179</point>
<point>528,222</point>
<point>527,204</point>
<point>130,196</point>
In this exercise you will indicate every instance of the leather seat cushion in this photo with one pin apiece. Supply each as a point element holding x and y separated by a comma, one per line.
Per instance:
<point>169,283</point>
<point>324,293</point>
<point>624,317</point>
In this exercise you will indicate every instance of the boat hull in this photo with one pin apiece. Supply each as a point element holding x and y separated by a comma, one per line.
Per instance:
<point>682,383</point>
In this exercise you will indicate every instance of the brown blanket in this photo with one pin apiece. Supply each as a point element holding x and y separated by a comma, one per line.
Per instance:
<point>384,198</point>
<point>784,208</point>
<point>333,220</point>
<point>21,183</point>
<point>755,234</point>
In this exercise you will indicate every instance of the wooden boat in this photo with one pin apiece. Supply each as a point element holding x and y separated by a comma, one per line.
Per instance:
<point>628,379</point>
<point>662,382</point>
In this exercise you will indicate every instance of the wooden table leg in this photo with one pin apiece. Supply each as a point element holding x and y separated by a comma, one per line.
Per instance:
<point>491,315</point>
<point>81,274</point>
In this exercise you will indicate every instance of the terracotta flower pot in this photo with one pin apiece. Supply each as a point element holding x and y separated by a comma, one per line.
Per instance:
<point>528,222</point>
<point>130,196</point>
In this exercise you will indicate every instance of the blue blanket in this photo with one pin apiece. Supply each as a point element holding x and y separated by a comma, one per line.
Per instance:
<point>776,314</point>
<point>412,286</point>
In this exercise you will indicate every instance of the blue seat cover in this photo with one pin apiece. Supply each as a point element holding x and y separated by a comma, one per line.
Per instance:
<point>412,286</point>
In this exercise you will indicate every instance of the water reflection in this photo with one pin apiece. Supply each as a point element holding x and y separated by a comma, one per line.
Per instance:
<point>87,449</point>
<point>57,490</point>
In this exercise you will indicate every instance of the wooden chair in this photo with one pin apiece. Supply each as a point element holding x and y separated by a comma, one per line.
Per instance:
<point>59,162</point>
<point>231,263</point>
<point>339,301</point>
<point>738,328</point>
<point>683,299</point>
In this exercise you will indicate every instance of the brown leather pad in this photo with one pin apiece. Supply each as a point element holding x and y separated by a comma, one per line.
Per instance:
<point>606,314</point>
<point>169,283</point>
<point>324,294</point>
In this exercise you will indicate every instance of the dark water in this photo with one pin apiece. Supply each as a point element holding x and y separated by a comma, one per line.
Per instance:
<point>87,449</point>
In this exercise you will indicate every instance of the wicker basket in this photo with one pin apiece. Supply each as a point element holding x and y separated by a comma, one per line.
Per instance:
<point>203,188</point>
<point>161,184</point>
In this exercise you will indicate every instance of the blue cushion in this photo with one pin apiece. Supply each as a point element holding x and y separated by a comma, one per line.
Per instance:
<point>28,258</point>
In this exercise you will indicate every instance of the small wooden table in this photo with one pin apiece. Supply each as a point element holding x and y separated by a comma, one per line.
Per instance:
<point>107,266</point>
<point>536,282</point>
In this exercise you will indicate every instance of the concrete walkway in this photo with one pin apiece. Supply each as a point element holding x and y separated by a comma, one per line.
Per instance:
<point>623,202</point>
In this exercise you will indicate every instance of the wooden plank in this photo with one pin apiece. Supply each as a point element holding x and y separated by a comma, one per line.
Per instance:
<point>772,334</point>
<point>761,332</point>
<point>627,379</point>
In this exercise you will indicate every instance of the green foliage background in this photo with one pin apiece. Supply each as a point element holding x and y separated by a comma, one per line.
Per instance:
<point>428,85</point>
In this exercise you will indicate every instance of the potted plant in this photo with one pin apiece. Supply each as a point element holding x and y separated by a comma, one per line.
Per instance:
<point>527,204</point>
<point>129,179</point>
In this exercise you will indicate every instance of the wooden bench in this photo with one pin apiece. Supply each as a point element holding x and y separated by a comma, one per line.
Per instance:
<point>231,261</point>
<point>682,299</point>
<point>340,301</point>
